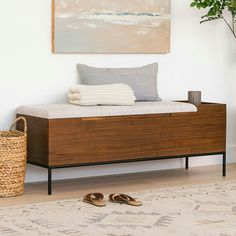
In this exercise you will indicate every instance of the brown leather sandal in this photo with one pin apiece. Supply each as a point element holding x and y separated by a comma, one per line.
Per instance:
<point>124,199</point>
<point>95,199</point>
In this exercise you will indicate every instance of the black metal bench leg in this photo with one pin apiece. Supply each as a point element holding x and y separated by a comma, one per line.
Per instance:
<point>224,164</point>
<point>186,163</point>
<point>49,181</point>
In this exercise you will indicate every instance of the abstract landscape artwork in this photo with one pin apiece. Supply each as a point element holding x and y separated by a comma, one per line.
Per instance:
<point>111,26</point>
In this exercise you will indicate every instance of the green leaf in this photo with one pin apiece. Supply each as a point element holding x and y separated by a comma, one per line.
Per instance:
<point>233,3</point>
<point>216,9</point>
<point>211,12</point>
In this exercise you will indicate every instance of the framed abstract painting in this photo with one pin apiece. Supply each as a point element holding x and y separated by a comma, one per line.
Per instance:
<point>111,26</point>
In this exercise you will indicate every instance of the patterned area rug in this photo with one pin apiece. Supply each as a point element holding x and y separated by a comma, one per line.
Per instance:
<point>206,210</point>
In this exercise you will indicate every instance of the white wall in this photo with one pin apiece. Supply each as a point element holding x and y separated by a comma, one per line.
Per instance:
<point>202,58</point>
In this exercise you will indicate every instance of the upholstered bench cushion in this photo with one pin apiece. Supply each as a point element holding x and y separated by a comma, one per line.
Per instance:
<point>57,111</point>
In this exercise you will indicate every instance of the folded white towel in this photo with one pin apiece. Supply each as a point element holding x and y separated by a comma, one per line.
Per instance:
<point>73,96</point>
<point>77,96</point>
<point>105,103</point>
<point>112,94</point>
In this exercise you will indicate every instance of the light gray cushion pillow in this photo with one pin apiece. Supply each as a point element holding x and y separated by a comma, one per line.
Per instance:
<point>143,80</point>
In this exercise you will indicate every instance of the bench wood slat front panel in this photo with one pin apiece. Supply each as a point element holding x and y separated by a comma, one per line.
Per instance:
<point>91,140</point>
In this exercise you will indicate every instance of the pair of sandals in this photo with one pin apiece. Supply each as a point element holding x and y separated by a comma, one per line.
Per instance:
<point>97,199</point>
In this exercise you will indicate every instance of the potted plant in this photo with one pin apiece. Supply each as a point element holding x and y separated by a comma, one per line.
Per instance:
<point>217,10</point>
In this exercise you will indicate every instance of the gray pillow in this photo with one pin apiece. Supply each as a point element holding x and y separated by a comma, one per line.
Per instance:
<point>143,80</point>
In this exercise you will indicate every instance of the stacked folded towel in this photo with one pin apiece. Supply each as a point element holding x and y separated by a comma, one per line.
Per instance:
<point>111,94</point>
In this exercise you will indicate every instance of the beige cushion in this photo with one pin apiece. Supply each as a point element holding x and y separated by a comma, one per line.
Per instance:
<point>56,111</point>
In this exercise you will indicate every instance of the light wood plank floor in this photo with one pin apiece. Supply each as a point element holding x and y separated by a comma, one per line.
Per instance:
<point>69,189</point>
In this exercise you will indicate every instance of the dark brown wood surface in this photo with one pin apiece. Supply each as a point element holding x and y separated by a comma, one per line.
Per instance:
<point>105,139</point>
<point>37,144</point>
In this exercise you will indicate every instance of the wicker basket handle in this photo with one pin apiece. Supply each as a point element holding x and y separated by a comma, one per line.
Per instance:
<point>18,119</point>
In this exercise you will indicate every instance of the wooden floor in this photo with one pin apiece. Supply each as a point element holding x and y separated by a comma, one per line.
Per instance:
<point>68,189</point>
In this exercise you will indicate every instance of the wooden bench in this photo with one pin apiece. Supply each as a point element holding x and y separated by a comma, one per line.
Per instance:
<point>72,142</point>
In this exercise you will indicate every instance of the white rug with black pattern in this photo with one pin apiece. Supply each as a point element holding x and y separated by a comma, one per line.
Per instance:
<point>202,210</point>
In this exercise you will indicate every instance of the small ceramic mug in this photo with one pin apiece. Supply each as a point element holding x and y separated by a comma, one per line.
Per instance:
<point>195,97</point>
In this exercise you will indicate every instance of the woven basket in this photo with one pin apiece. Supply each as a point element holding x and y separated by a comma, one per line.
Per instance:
<point>13,146</point>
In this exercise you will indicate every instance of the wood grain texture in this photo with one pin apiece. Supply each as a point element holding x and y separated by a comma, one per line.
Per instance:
<point>107,139</point>
<point>37,140</point>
